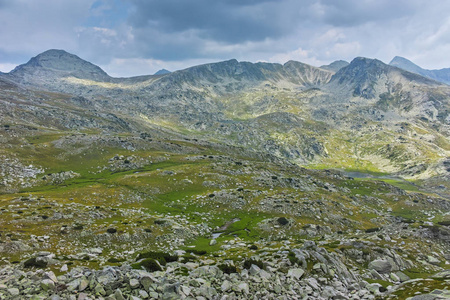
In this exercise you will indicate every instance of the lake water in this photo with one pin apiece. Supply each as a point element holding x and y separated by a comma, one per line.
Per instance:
<point>367,175</point>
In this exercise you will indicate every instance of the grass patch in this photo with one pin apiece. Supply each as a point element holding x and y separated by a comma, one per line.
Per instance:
<point>161,257</point>
<point>149,264</point>
<point>383,283</point>
<point>249,262</point>
<point>227,268</point>
<point>34,263</point>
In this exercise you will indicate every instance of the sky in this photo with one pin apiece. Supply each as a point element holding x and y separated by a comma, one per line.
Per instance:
<point>139,37</point>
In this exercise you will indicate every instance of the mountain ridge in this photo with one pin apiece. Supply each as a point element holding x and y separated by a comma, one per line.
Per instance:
<point>64,64</point>
<point>68,64</point>
<point>223,100</point>
<point>441,75</point>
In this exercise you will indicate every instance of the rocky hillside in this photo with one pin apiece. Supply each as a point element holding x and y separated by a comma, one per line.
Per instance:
<point>159,216</point>
<point>228,180</point>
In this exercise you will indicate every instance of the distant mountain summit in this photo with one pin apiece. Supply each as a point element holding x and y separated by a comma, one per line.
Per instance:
<point>372,79</point>
<point>442,75</point>
<point>405,64</point>
<point>335,66</point>
<point>359,77</point>
<point>162,72</point>
<point>58,63</point>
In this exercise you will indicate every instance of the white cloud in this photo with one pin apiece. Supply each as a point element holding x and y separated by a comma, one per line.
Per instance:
<point>299,54</point>
<point>332,35</point>
<point>35,26</point>
<point>128,67</point>
<point>6,67</point>
<point>344,49</point>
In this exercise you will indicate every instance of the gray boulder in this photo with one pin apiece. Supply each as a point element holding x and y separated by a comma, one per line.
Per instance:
<point>296,273</point>
<point>14,292</point>
<point>425,297</point>
<point>381,266</point>
<point>442,275</point>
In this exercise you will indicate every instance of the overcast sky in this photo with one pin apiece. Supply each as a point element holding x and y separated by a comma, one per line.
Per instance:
<point>136,37</point>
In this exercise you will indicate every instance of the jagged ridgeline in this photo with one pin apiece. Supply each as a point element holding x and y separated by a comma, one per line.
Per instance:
<point>228,180</point>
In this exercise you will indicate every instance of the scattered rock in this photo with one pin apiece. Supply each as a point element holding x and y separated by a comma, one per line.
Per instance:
<point>134,283</point>
<point>381,266</point>
<point>14,292</point>
<point>433,260</point>
<point>442,275</point>
<point>296,273</point>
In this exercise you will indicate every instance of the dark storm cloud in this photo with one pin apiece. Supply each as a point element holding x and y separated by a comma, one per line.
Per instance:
<point>229,21</point>
<point>174,46</point>
<point>234,21</point>
<point>179,29</point>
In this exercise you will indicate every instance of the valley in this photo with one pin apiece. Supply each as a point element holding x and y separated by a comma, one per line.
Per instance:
<point>223,181</point>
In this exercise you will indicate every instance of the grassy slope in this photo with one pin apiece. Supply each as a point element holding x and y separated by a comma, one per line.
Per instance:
<point>175,184</point>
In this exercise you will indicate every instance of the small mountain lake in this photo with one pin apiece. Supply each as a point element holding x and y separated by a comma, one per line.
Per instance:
<point>356,174</point>
<point>391,179</point>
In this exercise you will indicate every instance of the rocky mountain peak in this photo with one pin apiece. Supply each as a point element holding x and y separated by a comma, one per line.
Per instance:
<point>335,66</point>
<point>296,64</point>
<point>369,78</point>
<point>442,75</point>
<point>361,69</point>
<point>162,72</point>
<point>59,63</point>
<point>364,61</point>
<point>399,60</point>
<point>361,76</point>
<point>406,64</point>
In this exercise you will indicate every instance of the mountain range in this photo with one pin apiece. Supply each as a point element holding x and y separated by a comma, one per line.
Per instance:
<point>309,115</point>
<point>224,180</point>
